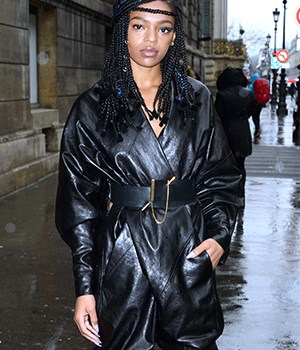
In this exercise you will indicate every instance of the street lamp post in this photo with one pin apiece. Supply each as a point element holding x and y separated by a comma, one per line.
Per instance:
<point>282,110</point>
<point>268,60</point>
<point>264,60</point>
<point>276,14</point>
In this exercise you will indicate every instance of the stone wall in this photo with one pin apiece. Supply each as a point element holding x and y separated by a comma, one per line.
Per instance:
<point>81,50</point>
<point>14,92</point>
<point>71,44</point>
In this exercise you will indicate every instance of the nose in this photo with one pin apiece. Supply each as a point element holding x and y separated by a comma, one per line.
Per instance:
<point>150,35</point>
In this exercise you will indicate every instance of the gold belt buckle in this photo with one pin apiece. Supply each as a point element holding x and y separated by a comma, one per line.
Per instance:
<point>152,198</point>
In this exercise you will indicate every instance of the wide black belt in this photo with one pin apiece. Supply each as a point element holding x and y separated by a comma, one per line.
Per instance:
<point>160,194</point>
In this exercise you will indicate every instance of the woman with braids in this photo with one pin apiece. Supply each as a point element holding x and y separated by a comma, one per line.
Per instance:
<point>148,192</point>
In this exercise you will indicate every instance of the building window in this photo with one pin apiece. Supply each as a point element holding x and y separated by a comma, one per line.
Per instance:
<point>33,69</point>
<point>205,19</point>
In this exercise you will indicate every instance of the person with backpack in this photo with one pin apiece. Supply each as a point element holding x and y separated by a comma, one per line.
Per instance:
<point>261,90</point>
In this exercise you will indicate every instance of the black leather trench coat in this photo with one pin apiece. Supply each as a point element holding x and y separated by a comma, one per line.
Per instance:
<point>147,291</point>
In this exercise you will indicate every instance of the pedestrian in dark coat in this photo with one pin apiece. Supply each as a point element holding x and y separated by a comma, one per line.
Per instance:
<point>148,191</point>
<point>292,90</point>
<point>234,104</point>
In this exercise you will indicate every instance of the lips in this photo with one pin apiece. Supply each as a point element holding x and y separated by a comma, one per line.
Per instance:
<point>149,52</point>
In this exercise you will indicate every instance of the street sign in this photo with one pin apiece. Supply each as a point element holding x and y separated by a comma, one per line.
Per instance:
<point>274,63</point>
<point>282,56</point>
<point>298,16</point>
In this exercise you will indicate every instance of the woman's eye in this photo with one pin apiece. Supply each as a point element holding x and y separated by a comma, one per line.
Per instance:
<point>137,26</point>
<point>166,29</point>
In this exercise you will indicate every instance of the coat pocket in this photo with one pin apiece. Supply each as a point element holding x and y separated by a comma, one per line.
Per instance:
<point>197,270</point>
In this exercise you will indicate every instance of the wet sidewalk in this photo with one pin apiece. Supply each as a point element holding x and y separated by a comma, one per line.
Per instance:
<point>259,285</point>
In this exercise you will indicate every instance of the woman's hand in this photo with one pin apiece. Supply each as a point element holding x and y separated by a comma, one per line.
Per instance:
<point>86,319</point>
<point>212,247</point>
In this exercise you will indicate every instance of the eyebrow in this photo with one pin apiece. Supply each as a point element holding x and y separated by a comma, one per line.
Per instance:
<point>145,20</point>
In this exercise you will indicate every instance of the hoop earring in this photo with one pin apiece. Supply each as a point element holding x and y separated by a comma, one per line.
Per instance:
<point>126,42</point>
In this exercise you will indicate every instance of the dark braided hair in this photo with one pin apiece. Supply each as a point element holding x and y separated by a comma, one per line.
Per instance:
<point>118,83</point>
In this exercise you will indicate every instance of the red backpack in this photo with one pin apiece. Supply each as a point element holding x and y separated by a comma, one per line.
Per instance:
<point>261,91</point>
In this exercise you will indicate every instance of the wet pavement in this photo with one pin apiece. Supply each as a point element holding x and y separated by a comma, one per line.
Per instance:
<point>259,285</point>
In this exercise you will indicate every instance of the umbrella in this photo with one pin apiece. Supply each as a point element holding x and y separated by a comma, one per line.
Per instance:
<point>292,80</point>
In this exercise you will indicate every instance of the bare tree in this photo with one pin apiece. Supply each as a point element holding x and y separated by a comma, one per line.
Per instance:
<point>254,39</point>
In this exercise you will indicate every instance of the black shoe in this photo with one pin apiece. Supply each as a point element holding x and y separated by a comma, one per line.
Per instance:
<point>257,133</point>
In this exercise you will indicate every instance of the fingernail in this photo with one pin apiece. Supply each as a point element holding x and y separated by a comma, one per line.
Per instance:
<point>98,343</point>
<point>192,254</point>
<point>96,328</point>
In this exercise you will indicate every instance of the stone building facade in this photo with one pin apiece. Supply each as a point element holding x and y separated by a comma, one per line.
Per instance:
<point>52,50</point>
<point>209,51</point>
<point>294,58</point>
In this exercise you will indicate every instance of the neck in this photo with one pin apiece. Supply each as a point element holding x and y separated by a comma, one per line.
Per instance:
<point>147,78</point>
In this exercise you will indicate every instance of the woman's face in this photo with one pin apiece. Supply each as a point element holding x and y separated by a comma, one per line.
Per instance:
<point>150,35</point>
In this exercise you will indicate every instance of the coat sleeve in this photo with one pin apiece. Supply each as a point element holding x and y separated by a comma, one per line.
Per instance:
<point>81,198</point>
<point>218,185</point>
<point>219,105</point>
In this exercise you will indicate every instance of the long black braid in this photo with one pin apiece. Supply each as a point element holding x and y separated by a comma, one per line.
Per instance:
<point>118,85</point>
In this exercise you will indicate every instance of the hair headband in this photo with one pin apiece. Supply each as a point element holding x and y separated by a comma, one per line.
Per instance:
<point>155,11</point>
<point>123,6</point>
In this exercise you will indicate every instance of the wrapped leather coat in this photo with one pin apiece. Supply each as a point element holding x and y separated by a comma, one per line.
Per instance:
<point>147,291</point>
